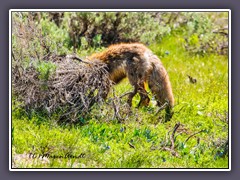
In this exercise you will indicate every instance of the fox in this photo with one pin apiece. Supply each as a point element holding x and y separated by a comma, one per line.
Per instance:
<point>141,66</point>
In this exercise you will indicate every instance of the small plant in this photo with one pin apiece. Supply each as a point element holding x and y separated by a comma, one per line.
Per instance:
<point>45,69</point>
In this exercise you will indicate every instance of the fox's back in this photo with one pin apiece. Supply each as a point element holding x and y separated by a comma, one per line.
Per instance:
<point>121,51</point>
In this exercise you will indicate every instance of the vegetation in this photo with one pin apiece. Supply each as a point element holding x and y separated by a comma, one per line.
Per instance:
<point>193,48</point>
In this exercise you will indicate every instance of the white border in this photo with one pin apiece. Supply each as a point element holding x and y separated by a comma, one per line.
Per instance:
<point>229,87</point>
<point>10,91</point>
<point>115,10</point>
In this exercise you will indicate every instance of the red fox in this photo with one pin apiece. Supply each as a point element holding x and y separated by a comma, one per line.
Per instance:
<point>136,62</point>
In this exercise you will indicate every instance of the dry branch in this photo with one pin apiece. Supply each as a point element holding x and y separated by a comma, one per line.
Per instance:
<point>172,139</point>
<point>73,88</point>
<point>192,136</point>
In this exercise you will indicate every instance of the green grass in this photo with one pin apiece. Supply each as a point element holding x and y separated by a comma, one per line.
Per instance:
<point>138,141</point>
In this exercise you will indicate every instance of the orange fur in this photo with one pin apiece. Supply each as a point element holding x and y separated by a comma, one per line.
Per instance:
<point>141,66</point>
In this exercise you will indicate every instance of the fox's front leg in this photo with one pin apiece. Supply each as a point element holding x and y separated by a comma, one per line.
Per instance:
<point>144,99</point>
<point>131,95</point>
<point>138,88</point>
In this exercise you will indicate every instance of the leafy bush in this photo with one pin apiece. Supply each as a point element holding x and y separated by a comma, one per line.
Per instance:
<point>48,82</point>
<point>94,29</point>
<point>202,31</point>
<point>45,69</point>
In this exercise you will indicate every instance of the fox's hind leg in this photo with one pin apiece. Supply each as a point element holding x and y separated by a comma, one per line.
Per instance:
<point>130,96</point>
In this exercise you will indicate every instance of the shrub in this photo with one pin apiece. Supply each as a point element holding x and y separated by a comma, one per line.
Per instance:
<point>45,81</point>
<point>104,28</point>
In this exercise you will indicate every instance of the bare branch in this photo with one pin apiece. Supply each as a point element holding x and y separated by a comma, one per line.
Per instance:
<point>172,139</point>
<point>173,133</point>
<point>162,107</point>
<point>192,136</point>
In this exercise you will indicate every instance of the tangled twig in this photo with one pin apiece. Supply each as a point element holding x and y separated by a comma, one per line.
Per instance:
<point>73,88</point>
